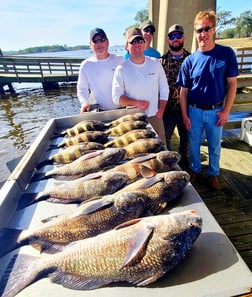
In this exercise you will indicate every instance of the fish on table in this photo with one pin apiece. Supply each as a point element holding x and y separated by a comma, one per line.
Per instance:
<point>95,136</point>
<point>125,127</point>
<point>143,146</point>
<point>89,163</point>
<point>148,165</point>
<point>82,126</point>
<point>71,153</point>
<point>87,220</point>
<point>138,252</point>
<point>79,190</point>
<point>130,137</point>
<point>137,116</point>
<point>162,189</point>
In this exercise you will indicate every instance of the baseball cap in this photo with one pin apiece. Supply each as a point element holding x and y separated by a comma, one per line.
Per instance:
<point>147,24</point>
<point>133,33</point>
<point>176,28</point>
<point>96,31</point>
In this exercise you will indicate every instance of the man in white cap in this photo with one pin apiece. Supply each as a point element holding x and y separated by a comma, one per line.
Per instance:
<point>140,81</point>
<point>96,74</point>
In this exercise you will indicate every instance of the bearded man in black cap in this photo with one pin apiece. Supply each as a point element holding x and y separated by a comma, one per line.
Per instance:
<point>172,117</point>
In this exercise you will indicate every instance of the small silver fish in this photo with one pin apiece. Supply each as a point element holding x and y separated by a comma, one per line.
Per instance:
<point>86,164</point>
<point>78,190</point>
<point>139,252</point>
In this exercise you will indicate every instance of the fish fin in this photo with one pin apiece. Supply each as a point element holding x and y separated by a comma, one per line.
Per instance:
<point>52,147</point>
<point>9,240</point>
<point>47,247</point>
<point>128,223</point>
<point>77,283</point>
<point>150,280</point>
<point>147,172</point>
<point>27,199</point>
<point>143,158</point>
<point>37,176</point>
<point>92,154</point>
<point>49,219</point>
<point>150,182</point>
<point>95,206</point>
<point>44,163</point>
<point>94,175</point>
<point>137,245</point>
<point>18,275</point>
<point>157,208</point>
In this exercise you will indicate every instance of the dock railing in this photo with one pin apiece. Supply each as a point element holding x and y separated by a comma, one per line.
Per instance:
<point>23,69</point>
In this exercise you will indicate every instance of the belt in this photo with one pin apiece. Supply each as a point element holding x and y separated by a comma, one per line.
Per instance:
<point>207,107</point>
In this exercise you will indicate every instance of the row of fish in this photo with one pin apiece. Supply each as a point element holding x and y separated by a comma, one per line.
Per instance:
<point>122,196</point>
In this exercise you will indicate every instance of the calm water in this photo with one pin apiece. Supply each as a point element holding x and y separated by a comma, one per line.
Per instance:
<point>23,116</point>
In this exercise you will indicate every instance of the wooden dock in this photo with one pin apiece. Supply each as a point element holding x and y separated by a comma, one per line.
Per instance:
<point>231,205</point>
<point>48,71</point>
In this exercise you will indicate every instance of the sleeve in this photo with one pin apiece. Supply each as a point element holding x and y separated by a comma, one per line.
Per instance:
<point>83,89</point>
<point>117,85</point>
<point>163,84</point>
<point>183,77</point>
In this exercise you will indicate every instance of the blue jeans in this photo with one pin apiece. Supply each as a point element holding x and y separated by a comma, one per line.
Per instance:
<point>204,121</point>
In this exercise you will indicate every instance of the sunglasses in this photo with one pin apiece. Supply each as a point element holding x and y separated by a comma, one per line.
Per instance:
<point>177,36</point>
<point>99,40</point>
<point>137,40</point>
<point>205,29</point>
<point>149,30</point>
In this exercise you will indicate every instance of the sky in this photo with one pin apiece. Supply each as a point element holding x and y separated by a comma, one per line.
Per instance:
<point>29,23</point>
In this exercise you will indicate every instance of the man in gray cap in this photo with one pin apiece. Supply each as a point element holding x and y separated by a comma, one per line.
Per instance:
<point>140,81</point>
<point>102,62</point>
<point>148,29</point>
<point>171,62</point>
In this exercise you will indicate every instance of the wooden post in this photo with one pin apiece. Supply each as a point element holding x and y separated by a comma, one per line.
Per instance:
<point>11,89</point>
<point>165,13</point>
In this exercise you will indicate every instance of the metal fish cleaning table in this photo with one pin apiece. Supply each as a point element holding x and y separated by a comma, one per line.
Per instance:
<point>212,268</point>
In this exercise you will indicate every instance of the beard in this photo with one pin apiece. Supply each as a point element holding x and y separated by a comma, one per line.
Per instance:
<point>176,48</point>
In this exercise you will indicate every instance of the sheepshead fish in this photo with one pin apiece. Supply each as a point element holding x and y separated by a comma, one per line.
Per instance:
<point>79,190</point>
<point>143,146</point>
<point>125,127</point>
<point>86,164</point>
<point>95,136</point>
<point>89,219</point>
<point>162,188</point>
<point>148,165</point>
<point>83,126</point>
<point>130,137</point>
<point>71,153</point>
<point>138,116</point>
<point>139,252</point>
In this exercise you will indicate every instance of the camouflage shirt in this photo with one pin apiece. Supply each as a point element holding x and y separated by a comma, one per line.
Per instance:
<point>171,67</point>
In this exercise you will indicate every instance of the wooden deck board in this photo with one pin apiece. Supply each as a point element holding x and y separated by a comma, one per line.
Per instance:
<point>231,205</point>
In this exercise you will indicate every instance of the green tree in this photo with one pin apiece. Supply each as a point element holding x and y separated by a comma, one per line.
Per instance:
<point>224,19</point>
<point>244,24</point>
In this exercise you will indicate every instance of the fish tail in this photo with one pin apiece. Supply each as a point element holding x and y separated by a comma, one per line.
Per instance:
<point>9,240</point>
<point>39,176</point>
<point>28,199</point>
<point>44,163</point>
<point>18,275</point>
<point>52,147</point>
